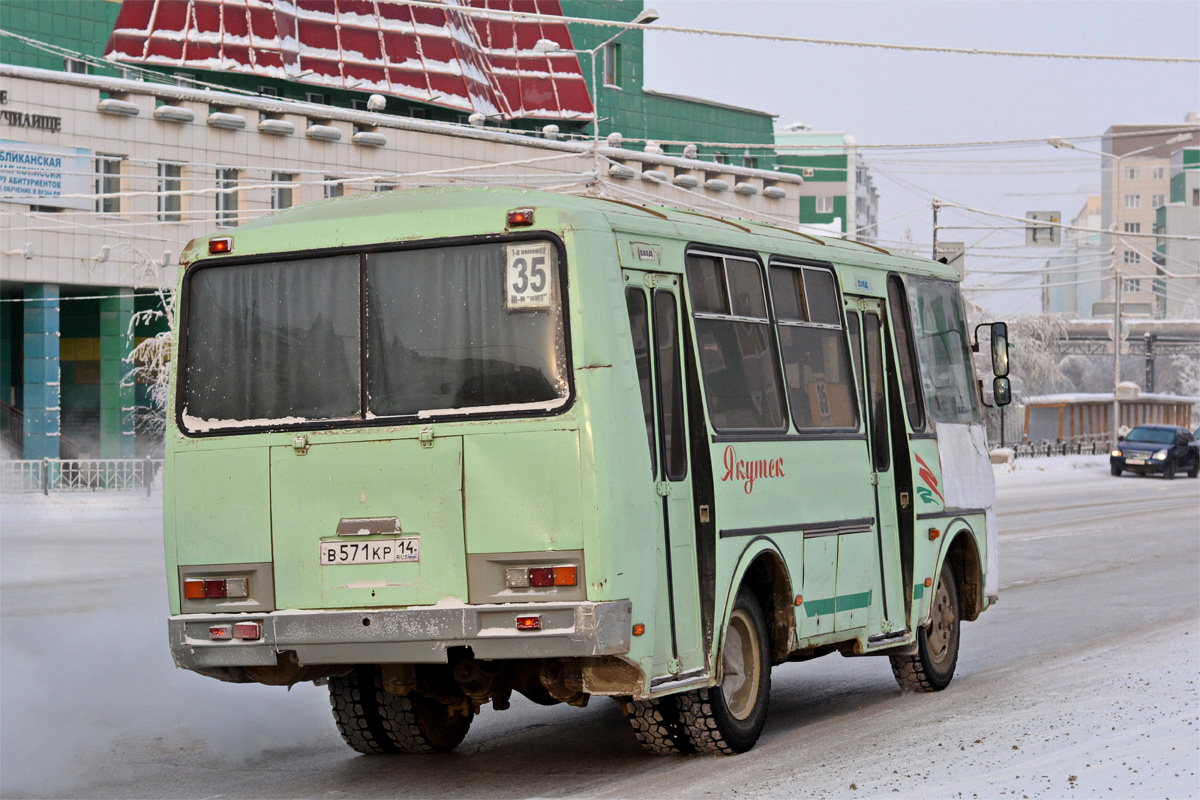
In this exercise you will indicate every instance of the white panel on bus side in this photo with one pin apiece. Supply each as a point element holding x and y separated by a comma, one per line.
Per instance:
<point>969,483</point>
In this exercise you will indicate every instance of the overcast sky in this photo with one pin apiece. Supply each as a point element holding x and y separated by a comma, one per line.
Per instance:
<point>894,97</point>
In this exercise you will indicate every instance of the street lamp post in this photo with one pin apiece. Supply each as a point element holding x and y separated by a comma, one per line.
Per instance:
<point>548,46</point>
<point>1117,278</point>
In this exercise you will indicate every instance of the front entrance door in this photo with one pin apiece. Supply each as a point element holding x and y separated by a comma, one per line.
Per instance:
<point>865,321</point>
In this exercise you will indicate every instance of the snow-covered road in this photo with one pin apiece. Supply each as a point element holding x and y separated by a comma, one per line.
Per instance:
<point>1082,682</point>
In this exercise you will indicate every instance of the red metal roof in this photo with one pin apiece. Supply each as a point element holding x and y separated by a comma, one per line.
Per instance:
<point>437,56</point>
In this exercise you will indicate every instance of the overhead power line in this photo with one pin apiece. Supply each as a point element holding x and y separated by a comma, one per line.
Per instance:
<point>776,37</point>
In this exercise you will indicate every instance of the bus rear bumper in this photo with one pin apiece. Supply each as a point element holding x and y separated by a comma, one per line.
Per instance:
<point>407,635</point>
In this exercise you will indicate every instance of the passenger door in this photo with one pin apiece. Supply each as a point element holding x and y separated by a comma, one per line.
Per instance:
<point>655,321</point>
<point>868,336</point>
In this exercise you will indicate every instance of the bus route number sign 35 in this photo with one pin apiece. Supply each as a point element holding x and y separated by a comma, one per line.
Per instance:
<point>528,277</point>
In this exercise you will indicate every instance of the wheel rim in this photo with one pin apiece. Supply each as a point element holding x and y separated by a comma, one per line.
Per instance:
<point>741,666</point>
<point>942,622</point>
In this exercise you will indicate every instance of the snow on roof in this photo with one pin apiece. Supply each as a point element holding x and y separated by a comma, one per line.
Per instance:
<point>435,56</point>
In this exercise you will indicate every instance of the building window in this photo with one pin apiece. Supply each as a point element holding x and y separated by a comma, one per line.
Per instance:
<point>170,183</point>
<point>1132,257</point>
<point>1131,285</point>
<point>384,187</point>
<point>315,97</point>
<point>824,205</point>
<point>227,197</point>
<point>75,65</point>
<point>333,190</point>
<point>1159,173</point>
<point>418,113</point>
<point>1133,227</point>
<point>612,64</point>
<point>1157,200</point>
<point>1196,197</point>
<point>1133,201</point>
<point>281,193</point>
<point>1131,173</point>
<point>184,79</point>
<point>268,91</point>
<point>108,182</point>
<point>721,158</point>
<point>749,162</point>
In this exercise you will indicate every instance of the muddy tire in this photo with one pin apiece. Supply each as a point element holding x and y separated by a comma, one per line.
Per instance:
<point>374,722</point>
<point>729,717</point>
<point>656,725</point>
<point>932,668</point>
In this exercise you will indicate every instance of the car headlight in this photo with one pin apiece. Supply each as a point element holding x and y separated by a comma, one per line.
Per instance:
<point>1116,453</point>
<point>1160,455</point>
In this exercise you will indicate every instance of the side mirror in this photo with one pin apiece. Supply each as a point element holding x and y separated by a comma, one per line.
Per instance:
<point>1000,349</point>
<point>1001,391</point>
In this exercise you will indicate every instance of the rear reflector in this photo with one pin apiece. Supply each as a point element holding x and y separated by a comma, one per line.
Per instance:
<point>541,576</point>
<point>219,633</point>
<point>516,578</point>
<point>214,588</point>
<point>194,590</point>
<point>564,576</point>
<point>248,631</point>
<point>533,623</point>
<point>236,587</point>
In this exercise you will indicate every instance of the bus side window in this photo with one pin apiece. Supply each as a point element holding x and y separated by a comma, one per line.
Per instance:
<point>901,324</point>
<point>670,382</point>
<point>875,389</point>
<point>854,328</point>
<point>639,328</point>
<point>742,385</point>
<point>816,367</point>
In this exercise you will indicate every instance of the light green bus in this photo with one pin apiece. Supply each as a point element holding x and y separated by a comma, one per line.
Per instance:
<point>432,447</point>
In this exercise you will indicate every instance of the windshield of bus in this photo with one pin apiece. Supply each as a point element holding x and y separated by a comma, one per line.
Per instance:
<point>939,326</point>
<point>413,333</point>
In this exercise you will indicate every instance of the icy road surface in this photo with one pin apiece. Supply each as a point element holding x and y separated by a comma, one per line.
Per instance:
<point>1082,682</point>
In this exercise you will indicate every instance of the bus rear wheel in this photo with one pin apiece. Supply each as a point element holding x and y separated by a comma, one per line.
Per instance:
<point>656,725</point>
<point>729,717</point>
<point>376,722</point>
<point>932,668</point>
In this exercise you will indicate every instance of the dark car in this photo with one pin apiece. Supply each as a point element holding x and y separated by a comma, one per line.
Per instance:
<point>1164,449</point>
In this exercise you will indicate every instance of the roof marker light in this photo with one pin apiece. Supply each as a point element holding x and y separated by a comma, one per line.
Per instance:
<point>520,217</point>
<point>220,245</point>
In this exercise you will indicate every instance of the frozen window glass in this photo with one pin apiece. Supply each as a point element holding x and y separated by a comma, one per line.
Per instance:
<point>742,384</point>
<point>943,353</point>
<point>170,180</point>
<point>639,329</point>
<point>272,343</point>
<point>942,350</point>
<point>444,334</point>
<point>816,366</point>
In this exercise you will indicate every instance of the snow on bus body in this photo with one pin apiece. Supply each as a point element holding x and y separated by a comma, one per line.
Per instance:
<point>969,483</point>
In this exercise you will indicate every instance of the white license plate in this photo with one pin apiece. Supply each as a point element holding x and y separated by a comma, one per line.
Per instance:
<point>1135,461</point>
<point>375,551</point>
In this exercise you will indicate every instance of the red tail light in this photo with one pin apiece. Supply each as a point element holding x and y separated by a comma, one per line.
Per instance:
<point>219,633</point>
<point>541,576</point>
<point>533,623</point>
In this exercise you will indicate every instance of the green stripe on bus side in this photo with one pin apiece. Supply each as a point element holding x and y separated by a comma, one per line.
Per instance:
<point>845,602</point>
<point>918,591</point>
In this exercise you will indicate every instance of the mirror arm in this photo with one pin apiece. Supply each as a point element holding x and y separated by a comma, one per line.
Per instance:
<point>981,397</point>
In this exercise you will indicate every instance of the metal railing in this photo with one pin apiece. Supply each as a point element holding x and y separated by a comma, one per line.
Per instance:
<point>79,475</point>
<point>12,431</point>
<point>1043,449</point>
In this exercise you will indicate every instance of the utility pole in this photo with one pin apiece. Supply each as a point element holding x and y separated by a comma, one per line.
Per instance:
<point>1149,338</point>
<point>936,203</point>
<point>1116,405</point>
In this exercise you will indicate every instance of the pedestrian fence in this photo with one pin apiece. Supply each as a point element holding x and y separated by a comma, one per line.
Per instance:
<point>79,475</point>
<point>1041,449</point>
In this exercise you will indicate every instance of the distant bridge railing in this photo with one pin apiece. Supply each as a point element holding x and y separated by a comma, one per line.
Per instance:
<point>79,475</point>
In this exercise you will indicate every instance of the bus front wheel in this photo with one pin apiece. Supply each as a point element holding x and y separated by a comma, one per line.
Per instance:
<point>931,669</point>
<point>729,717</point>
<point>375,722</point>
